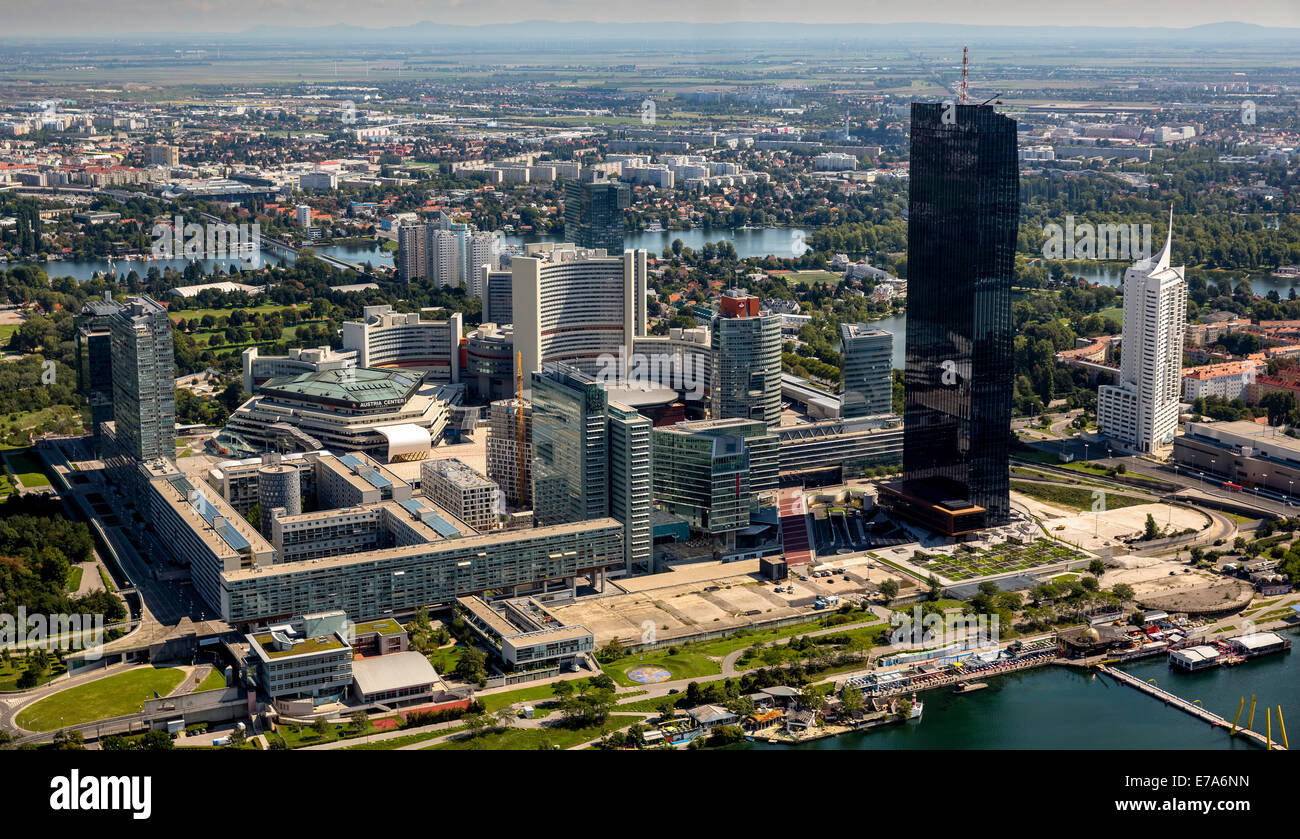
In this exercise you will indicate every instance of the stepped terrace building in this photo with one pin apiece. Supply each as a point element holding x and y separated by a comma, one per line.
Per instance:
<point>387,414</point>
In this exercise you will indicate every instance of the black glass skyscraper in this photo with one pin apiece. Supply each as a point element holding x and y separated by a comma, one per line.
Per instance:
<point>961,239</point>
<point>593,211</point>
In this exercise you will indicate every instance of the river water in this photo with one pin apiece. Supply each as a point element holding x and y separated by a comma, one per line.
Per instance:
<point>1062,708</point>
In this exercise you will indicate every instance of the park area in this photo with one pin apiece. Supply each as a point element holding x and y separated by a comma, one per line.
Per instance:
<point>968,564</point>
<point>114,696</point>
<point>27,468</point>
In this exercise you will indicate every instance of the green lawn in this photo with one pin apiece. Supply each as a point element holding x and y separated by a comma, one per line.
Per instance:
<point>114,696</point>
<point>530,739</point>
<point>74,578</point>
<point>29,469</point>
<point>682,665</point>
<point>215,680</point>
<point>493,702</point>
<point>722,647</point>
<point>1073,497</point>
<point>444,661</point>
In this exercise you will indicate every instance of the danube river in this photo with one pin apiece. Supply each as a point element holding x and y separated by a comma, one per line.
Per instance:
<point>1057,707</point>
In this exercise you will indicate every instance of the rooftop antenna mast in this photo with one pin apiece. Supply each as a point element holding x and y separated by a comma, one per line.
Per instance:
<point>965,63</point>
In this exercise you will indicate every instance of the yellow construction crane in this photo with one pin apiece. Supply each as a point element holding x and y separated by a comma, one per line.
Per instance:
<point>520,437</point>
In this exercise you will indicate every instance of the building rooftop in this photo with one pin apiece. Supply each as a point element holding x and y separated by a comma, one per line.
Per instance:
<point>305,646</point>
<point>383,673</point>
<point>359,386</point>
<point>484,542</point>
<point>384,626</point>
<point>458,473</point>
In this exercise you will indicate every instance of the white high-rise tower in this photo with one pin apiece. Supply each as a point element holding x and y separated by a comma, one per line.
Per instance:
<point>1140,411</point>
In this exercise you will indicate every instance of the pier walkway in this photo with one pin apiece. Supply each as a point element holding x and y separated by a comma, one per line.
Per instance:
<point>1183,705</point>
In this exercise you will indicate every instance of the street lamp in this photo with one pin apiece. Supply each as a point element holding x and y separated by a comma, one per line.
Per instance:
<point>1263,477</point>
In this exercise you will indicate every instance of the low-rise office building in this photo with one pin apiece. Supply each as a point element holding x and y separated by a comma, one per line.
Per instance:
<point>524,634</point>
<point>306,658</point>
<point>1241,452</point>
<point>239,481</point>
<point>838,450</point>
<point>352,479</point>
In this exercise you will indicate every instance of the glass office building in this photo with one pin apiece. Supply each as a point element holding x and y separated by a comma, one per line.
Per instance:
<point>570,454</point>
<point>593,211</point>
<point>961,239</point>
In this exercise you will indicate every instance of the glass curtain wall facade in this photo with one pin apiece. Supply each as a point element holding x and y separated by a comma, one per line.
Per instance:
<point>962,226</point>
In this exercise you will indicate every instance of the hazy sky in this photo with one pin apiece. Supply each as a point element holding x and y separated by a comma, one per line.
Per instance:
<point>89,16</point>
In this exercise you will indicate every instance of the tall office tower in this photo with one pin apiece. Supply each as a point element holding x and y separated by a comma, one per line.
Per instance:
<point>484,249</point>
<point>630,491</point>
<point>412,252</point>
<point>746,374</point>
<point>95,358</point>
<point>593,210</point>
<point>868,370</point>
<point>591,458</point>
<point>1140,411</point>
<point>302,213</point>
<point>574,306</point>
<point>570,448</point>
<point>144,380</point>
<point>503,461</point>
<point>961,239</point>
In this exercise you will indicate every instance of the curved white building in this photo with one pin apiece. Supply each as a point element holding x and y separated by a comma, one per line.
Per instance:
<point>384,338</point>
<point>574,305</point>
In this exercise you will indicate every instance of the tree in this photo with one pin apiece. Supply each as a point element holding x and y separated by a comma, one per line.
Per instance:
<point>610,652</point>
<point>358,720</point>
<point>158,741</point>
<point>1096,568</point>
<point>1123,591</point>
<point>321,726</point>
<point>602,681</point>
<point>852,701</point>
<point>1152,530</point>
<point>903,710</point>
<point>563,688</point>
<point>889,590</point>
<point>936,588</point>
<point>472,665</point>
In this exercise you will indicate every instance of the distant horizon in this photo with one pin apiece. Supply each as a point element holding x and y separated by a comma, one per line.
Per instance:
<point>259,19</point>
